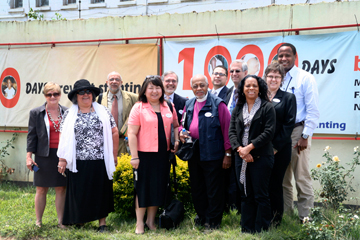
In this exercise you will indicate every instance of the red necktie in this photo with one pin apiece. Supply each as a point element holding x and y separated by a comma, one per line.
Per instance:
<point>114,109</point>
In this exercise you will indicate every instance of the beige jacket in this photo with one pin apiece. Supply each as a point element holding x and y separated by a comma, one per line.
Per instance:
<point>128,99</point>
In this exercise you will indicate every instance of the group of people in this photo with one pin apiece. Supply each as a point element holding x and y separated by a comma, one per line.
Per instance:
<point>248,142</point>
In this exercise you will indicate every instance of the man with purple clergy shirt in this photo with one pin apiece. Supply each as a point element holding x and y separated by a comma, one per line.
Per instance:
<point>207,120</point>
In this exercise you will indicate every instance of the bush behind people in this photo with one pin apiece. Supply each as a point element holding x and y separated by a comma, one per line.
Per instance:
<point>124,186</point>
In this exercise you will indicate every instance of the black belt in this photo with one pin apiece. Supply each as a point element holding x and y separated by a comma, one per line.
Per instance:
<point>299,124</point>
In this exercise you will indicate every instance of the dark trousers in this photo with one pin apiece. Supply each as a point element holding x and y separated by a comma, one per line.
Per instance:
<point>281,162</point>
<point>207,189</point>
<point>255,206</point>
<point>232,190</point>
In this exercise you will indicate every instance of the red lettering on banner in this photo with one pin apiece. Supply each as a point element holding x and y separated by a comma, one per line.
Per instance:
<point>187,55</point>
<point>255,64</point>
<point>217,50</point>
<point>12,75</point>
<point>356,65</point>
<point>273,55</point>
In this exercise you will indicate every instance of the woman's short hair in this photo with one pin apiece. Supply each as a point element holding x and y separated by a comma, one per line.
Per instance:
<point>263,89</point>
<point>51,86</point>
<point>74,98</point>
<point>275,67</point>
<point>154,80</point>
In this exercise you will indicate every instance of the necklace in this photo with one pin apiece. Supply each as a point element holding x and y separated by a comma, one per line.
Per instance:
<point>89,111</point>
<point>56,125</point>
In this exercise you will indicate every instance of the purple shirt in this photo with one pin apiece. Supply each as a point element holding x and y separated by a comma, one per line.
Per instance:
<point>224,118</point>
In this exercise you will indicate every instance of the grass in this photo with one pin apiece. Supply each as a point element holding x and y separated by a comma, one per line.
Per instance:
<point>17,221</point>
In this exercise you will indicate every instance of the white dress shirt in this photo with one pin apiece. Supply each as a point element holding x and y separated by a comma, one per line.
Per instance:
<point>171,97</point>
<point>303,85</point>
<point>217,91</point>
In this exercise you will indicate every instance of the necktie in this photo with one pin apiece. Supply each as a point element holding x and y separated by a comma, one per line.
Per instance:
<point>215,92</point>
<point>233,103</point>
<point>167,98</point>
<point>114,109</point>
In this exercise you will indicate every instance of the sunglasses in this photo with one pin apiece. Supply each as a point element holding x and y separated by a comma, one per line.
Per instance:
<point>237,71</point>
<point>82,92</point>
<point>52,94</point>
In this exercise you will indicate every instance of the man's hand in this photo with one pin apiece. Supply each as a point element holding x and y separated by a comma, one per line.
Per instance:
<point>301,145</point>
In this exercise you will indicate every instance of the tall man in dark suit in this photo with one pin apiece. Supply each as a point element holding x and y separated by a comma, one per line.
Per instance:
<point>170,81</point>
<point>218,79</point>
<point>238,70</point>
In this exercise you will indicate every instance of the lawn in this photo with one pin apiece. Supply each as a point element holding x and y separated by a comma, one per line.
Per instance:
<point>17,221</point>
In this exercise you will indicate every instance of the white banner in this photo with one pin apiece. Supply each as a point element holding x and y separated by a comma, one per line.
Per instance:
<point>333,59</point>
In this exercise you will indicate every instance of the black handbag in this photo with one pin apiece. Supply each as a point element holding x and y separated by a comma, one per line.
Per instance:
<point>185,150</point>
<point>174,213</point>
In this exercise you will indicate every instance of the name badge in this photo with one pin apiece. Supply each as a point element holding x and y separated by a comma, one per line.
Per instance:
<point>276,100</point>
<point>181,111</point>
<point>168,115</point>
<point>208,114</point>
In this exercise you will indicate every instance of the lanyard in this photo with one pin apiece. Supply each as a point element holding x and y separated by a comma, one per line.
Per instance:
<point>292,89</point>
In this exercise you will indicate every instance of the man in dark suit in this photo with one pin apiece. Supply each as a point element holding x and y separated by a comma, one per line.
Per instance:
<point>238,70</point>
<point>170,81</point>
<point>218,79</point>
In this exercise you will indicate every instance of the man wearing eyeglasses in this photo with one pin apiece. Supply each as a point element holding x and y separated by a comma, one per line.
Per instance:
<point>170,81</point>
<point>238,70</point>
<point>218,79</point>
<point>119,102</point>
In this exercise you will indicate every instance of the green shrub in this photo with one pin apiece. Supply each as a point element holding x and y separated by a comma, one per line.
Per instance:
<point>124,186</point>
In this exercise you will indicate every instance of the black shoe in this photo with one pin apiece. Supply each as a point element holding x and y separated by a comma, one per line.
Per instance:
<point>199,221</point>
<point>102,228</point>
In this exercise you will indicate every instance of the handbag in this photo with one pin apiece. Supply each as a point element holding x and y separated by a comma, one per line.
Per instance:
<point>185,150</point>
<point>174,213</point>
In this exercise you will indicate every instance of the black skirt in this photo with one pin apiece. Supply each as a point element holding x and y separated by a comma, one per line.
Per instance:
<point>153,172</point>
<point>48,175</point>
<point>89,193</point>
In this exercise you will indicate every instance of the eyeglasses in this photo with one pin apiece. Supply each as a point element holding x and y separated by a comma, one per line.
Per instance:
<point>272,77</point>
<point>82,92</point>
<point>114,79</point>
<point>220,74</point>
<point>52,94</point>
<point>237,71</point>
<point>152,77</point>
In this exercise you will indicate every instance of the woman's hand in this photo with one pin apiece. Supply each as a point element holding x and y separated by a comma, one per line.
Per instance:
<point>29,161</point>
<point>243,151</point>
<point>183,136</point>
<point>176,147</point>
<point>248,158</point>
<point>135,162</point>
<point>62,165</point>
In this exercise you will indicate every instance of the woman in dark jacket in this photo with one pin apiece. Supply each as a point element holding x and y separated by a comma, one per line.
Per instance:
<point>285,108</point>
<point>43,140</point>
<point>252,129</point>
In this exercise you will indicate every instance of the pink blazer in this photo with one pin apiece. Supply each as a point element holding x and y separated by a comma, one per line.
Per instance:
<point>144,116</point>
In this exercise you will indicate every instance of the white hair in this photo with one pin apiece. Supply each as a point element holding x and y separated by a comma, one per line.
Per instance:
<point>243,64</point>
<point>206,80</point>
<point>113,73</point>
<point>167,73</point>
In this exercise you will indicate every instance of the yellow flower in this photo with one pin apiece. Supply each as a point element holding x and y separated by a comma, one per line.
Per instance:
<point>318,165</point>
<point>336,159</point>
<point>327,148</point>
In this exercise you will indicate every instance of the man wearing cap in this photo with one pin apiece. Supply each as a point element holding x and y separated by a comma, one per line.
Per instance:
<point>119,102</point>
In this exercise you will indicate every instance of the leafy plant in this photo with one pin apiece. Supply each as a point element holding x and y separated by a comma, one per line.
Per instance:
<point>123,186</point>
<point>35,15</point>
<point>58,16</point>
<point>329,224</point>
<point>4,169</point>
<point>335,180</point>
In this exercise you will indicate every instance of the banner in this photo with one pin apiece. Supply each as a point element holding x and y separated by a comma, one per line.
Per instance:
<point>333,59</point>
<point>24,72</point>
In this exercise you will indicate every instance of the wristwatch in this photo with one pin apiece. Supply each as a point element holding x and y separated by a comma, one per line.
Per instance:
<point>304,136</point>
<point>228,154</point>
